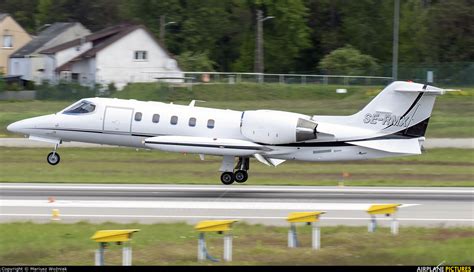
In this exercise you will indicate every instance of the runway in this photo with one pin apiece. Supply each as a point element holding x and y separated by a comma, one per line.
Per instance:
<point>267,205</point>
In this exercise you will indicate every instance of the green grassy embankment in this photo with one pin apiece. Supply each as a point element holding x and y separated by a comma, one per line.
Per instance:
<point>452,116</point>
<point>175,244</point>
<point>437,167</point>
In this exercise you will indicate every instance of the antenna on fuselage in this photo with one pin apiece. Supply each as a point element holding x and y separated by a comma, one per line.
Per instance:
<point>193,102</point>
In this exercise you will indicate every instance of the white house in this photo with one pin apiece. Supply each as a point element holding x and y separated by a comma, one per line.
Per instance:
<point>29,63</point>
<point>120,54</point>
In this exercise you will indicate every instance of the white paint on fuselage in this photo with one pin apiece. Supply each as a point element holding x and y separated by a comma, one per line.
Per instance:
<point>98,127</point>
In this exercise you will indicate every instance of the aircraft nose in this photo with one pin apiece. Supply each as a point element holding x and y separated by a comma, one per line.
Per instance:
<point>15,127</point>
<point>18,127</point>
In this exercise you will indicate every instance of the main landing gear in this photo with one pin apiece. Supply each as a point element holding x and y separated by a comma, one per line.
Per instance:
<point>240,175</point>
<point>53,157</point>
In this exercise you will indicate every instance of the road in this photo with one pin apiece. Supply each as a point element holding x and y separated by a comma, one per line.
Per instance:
<point>267,205</point>
<point>467,143</point>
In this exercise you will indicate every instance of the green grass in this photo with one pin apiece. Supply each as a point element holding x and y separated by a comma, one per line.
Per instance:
<point>436,167</point>
<point>452,116</point>
<point>175,244</point>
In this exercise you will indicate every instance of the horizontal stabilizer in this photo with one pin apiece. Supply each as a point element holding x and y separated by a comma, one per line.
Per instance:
<point>426,89</point>
<point>405,146</point>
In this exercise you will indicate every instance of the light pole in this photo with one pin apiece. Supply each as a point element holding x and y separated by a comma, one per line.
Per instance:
<point>396,18</point>
<point>259,66</point>
<point>163,26</point>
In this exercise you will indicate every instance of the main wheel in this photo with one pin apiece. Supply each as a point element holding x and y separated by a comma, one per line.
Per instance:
<point>241,176</point>
<point>53,158</point>
<point>227,178</point>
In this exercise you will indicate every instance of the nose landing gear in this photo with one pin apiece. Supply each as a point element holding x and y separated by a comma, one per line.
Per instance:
<point>53,157</point>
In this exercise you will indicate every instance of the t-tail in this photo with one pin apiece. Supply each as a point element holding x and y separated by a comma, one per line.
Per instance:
<point>402,108</point>
<point>396,119</point>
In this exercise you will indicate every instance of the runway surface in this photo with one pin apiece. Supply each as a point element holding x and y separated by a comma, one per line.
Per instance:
<point>254,204</point>
<point>467,143</point>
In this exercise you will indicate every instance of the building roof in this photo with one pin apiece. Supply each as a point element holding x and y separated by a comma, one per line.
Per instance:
<point>96,38</point>
<point>100,40</point>
<point>43,37</point>
<point>3,16</point>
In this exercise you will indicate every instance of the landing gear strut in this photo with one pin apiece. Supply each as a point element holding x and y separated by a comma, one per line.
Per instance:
<point>53,157</point>
<point>242,167</point>
<point>240,175</point>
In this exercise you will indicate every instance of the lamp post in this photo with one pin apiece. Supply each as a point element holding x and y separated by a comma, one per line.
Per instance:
<point>259,65</point>
<point>163,26</point>
<point>396,19</point>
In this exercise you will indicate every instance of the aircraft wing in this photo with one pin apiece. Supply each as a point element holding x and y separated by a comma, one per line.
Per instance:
<point>205,145</point>
<point>405,146</point>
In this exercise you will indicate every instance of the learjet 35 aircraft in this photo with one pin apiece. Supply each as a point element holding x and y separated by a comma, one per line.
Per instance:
<point>392,124</point>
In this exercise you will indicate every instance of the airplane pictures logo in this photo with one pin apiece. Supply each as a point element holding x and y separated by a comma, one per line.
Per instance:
<point>387,119</point>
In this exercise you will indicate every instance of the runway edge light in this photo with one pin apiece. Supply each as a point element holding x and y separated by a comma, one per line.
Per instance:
<point>310,218</point>
<point>387,209</point>
<point>218,226</point>
<point>121,237</point>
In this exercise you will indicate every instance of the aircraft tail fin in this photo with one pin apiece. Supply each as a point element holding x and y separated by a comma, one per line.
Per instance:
<point>401,107</point>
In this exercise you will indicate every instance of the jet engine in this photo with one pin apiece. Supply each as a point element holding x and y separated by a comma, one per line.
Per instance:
<point>277,127</point>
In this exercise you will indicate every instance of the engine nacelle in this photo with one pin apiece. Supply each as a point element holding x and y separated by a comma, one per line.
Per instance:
<point>277,127</point>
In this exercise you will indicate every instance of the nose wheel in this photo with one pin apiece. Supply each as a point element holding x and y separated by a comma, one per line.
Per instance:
<point>53,157</point>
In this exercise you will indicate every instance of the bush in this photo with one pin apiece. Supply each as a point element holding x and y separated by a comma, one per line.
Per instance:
<point>349,61</point>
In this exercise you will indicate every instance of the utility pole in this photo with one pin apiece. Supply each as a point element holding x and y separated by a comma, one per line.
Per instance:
<point>162,28</point>
<point>259,44</point>
<point>163,25</point>
<point>396,20</point>
<point>259,64</point>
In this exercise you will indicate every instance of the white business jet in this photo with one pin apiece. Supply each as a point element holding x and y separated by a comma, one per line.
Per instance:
<point>392,124</point>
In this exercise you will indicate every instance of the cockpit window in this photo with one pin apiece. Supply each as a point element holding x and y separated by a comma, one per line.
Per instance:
<point>81,107</point>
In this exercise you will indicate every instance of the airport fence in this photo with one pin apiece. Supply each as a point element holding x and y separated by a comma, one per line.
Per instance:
<point>236,78</point>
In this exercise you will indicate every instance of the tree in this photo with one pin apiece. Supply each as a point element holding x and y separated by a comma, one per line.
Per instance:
<point>197,61</point>
<point>368,26</point>
<point>450,26</point>
<point>349,61</point>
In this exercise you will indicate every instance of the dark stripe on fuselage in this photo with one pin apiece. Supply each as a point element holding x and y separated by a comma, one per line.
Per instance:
<point>102,132</point>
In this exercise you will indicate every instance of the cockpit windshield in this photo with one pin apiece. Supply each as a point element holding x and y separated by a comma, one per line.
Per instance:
<point>81,107</point>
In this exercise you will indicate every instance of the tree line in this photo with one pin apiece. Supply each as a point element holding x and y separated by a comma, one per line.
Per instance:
<point>220,35</point>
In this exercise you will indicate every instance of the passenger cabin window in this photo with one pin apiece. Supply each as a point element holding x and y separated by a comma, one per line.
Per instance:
<point>156,118</point>
<point>192,122</point>
<point>174,120</point>
<point>138,116</point>
<point>81,107</point>
<point>210,123</point>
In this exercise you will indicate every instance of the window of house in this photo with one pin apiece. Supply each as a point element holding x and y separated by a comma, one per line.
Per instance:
<point>174,120</point>
<point>192,122</point>
<point>155,118</point>
<point>138,116</point>
<point>7,41</point>
<point>141,55</point>
<point>210,123</point>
